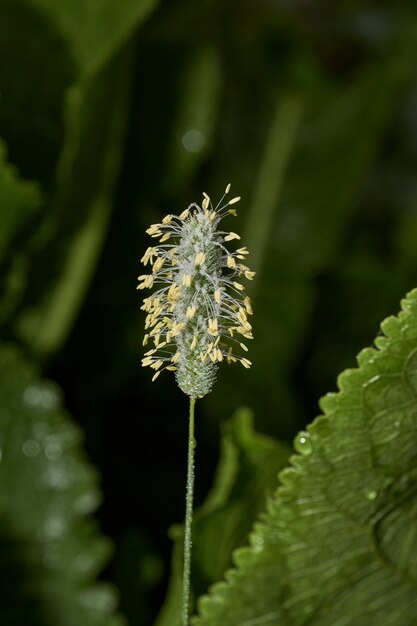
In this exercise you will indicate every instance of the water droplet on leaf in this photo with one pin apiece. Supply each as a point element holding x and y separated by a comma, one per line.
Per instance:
<point>303,443</point>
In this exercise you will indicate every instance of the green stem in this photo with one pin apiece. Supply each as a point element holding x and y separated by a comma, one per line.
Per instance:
<point>186,578</point>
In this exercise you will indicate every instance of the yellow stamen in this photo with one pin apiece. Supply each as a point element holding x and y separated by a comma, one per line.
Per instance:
<point>173,293</point>
<point>231,236</point>
<point>248,305</point>
<point>212,328</point>
<point>190,312</point>
<point>177,328</point>
<point>158,264</point>
<point>176,357</point>
<point>148,256</point>
<point>200,258</point>
<point>241,316</point>
<point>147,281</point>
<point>184,214</point>
<point>153,230</point>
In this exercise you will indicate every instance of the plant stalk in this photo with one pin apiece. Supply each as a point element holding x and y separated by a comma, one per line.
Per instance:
<point>186,578</point>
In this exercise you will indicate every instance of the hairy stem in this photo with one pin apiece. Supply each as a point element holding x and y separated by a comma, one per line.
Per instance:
<point>186,579</point>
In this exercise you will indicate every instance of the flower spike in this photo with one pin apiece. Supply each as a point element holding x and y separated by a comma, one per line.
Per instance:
<point>196,315</point>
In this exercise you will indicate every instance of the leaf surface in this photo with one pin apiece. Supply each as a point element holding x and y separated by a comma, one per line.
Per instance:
<point>338,546</point>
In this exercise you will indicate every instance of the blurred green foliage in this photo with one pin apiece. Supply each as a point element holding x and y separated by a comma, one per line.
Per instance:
<point>51,551</point>
<point>116,112</point>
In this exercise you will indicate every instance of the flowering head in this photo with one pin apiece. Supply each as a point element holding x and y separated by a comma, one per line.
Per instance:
<point>199,314</point>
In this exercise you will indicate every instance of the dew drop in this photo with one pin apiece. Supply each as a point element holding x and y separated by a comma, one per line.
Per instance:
<point>371,494</point>
<point>303,443</point>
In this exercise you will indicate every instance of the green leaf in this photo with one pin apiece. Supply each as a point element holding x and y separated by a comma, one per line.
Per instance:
<point>246,474</point>
<point>96,112</point>
<point>95,30</point>
<point>86,179</point>
<point>338,546</point>
<point>50,548</point>
<point>19,200</point>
